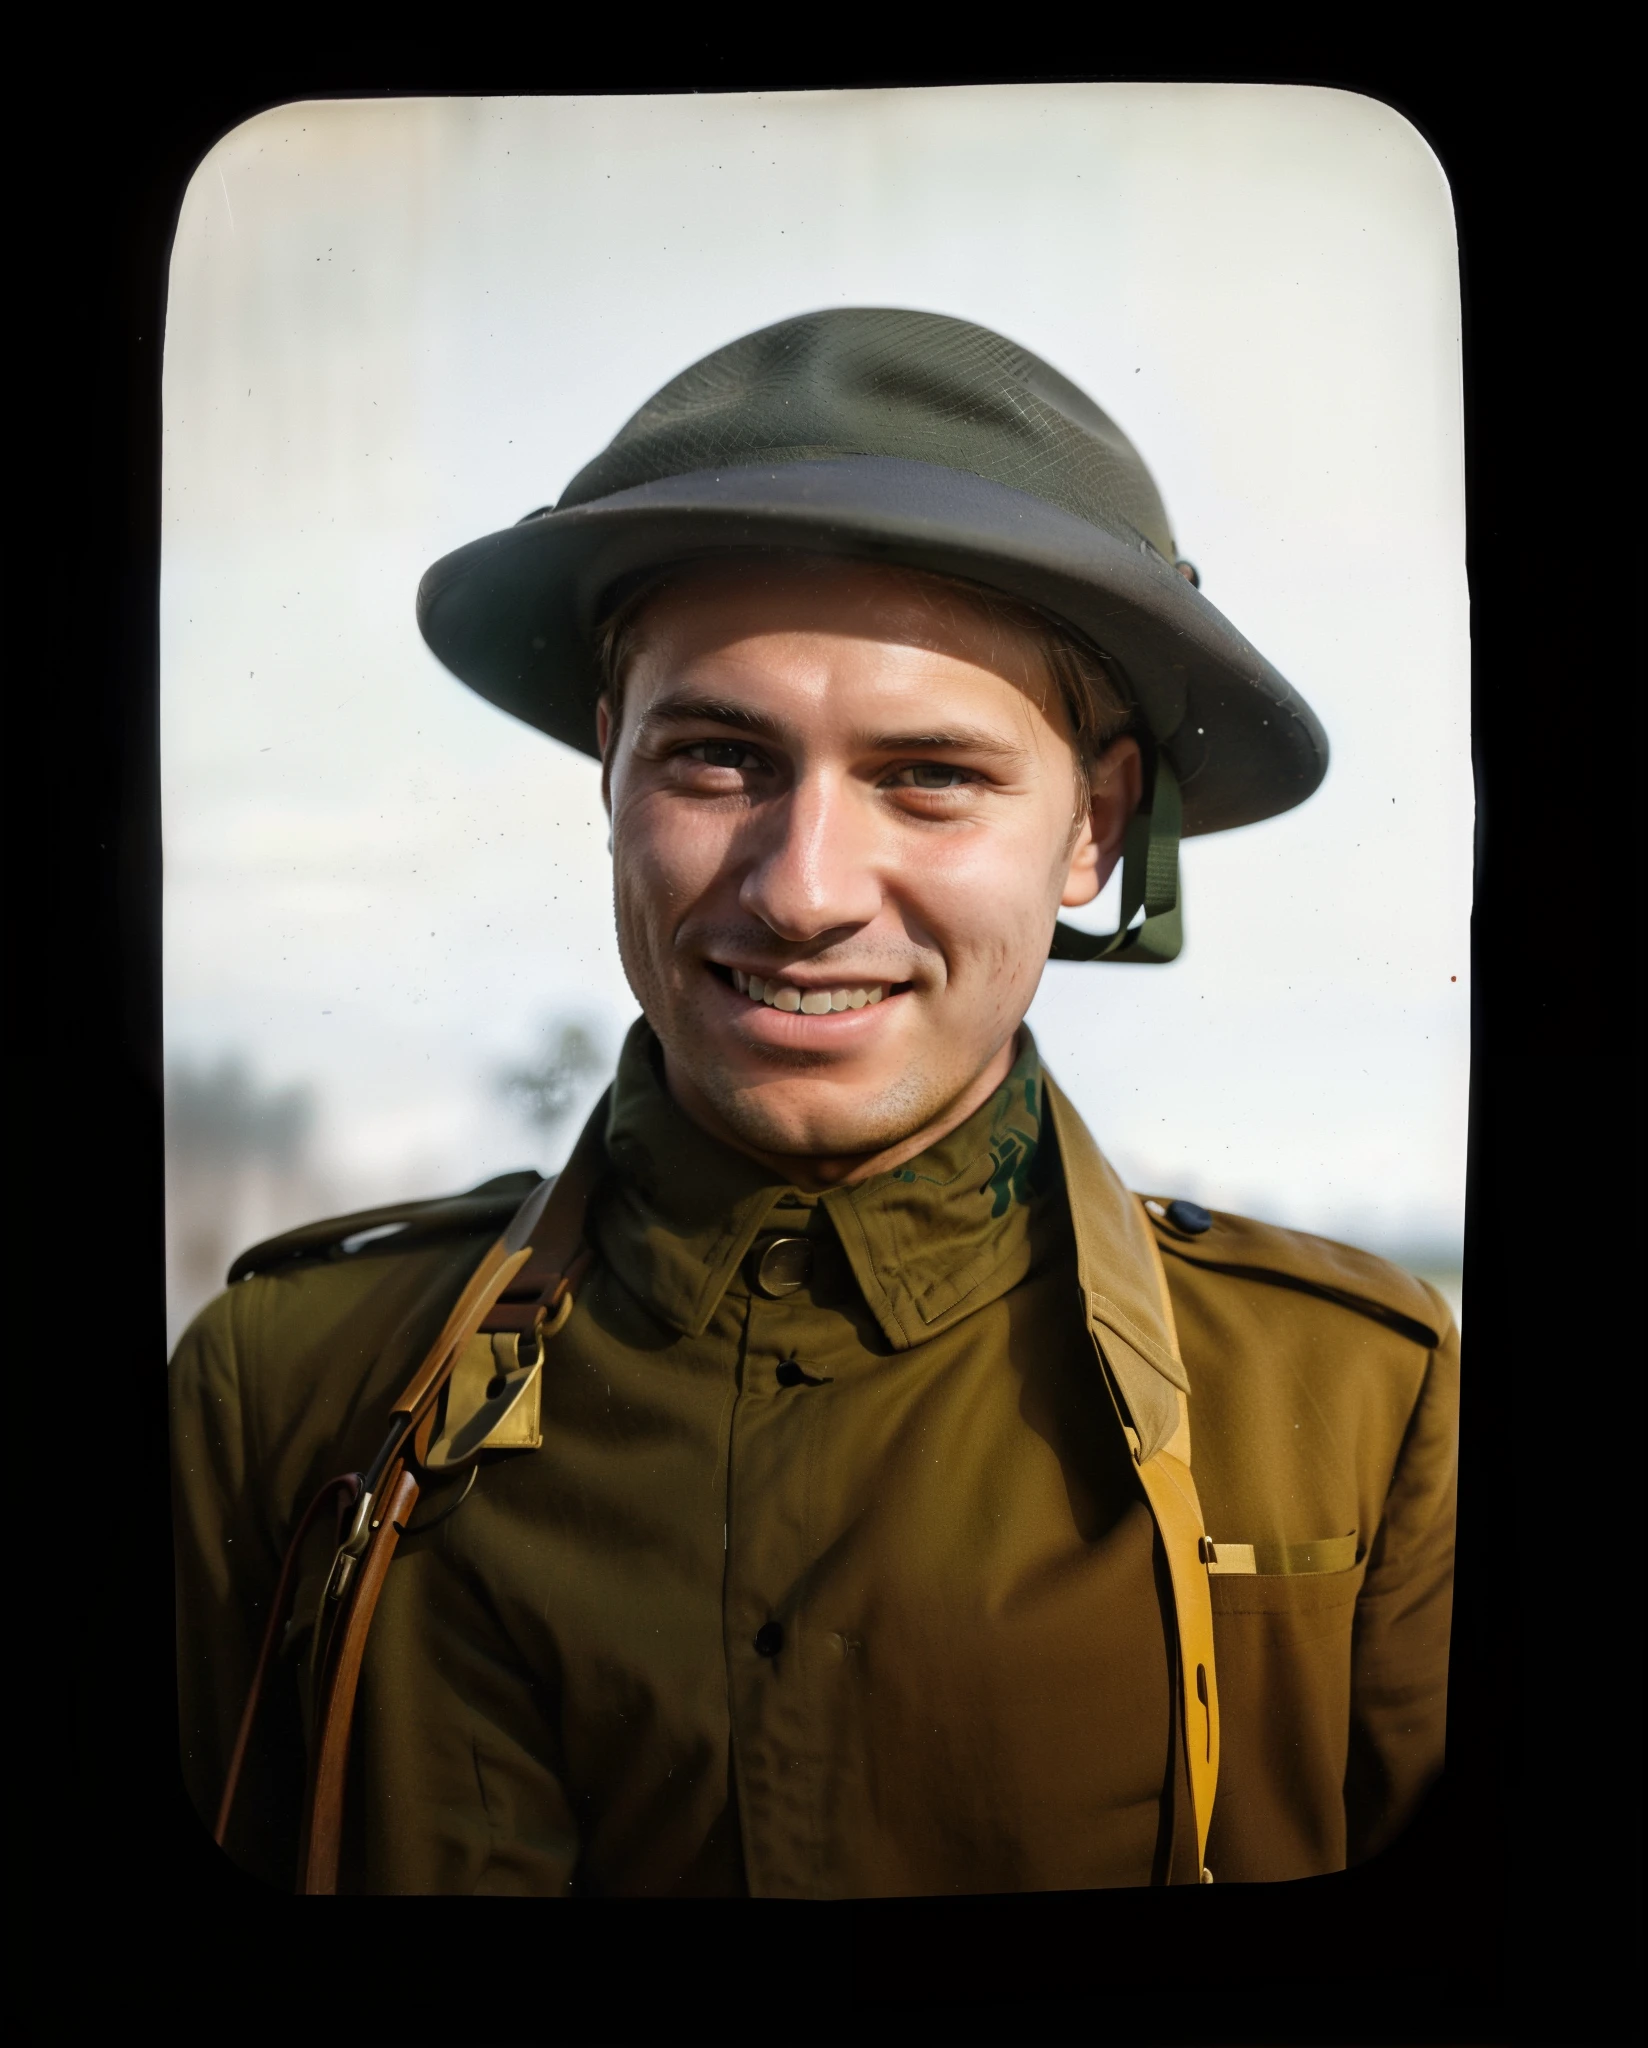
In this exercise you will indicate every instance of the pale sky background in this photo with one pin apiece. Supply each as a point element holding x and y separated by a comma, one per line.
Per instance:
<point>397,325</point>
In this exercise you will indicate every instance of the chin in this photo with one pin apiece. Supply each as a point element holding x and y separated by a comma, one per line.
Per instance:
<point>815,1118</point>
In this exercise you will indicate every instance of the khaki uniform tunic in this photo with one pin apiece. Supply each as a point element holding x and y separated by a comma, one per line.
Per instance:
<point>845,1591</point>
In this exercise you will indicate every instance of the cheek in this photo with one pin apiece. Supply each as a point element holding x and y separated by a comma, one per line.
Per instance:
<point>993,898</point>
<point>666,855</point>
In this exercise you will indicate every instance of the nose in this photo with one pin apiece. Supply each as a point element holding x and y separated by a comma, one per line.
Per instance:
<point>814,867</point>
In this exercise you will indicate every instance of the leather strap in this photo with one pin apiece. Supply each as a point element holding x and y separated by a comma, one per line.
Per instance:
<point>348,1486</point>
<point>1164,1473</point>
<point>543,1241</point>
<point>542,1254</point>
<point>323,1818</point>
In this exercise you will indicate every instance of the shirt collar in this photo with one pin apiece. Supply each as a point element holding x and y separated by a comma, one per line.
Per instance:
<point>937,1238</point>
<point>680,1209</point>
<point>929,1242</point>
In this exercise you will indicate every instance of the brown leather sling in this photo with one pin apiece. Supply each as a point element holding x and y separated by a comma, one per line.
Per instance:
<point>523,1286</point>
<point>521,1289</point>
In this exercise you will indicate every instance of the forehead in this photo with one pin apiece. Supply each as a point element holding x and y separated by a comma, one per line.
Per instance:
<point>791,600</point>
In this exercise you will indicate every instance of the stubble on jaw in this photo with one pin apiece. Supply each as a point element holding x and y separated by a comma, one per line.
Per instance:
<point>857,1127</point>
<point>856,1130</point>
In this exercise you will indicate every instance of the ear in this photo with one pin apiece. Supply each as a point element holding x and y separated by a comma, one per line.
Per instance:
<point>1115,786</point>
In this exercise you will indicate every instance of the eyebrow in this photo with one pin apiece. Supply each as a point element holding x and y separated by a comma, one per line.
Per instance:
<point>959,739</point>
<point>711,711</point>
<point>694,710</point>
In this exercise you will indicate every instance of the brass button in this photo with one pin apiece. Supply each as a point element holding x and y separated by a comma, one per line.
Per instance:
<point>783,1265</point>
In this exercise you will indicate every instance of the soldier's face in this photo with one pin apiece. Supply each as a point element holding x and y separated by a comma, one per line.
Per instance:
<point>845,813</point>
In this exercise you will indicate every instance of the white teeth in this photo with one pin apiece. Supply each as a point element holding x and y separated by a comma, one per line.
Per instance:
<point>813,1002</point>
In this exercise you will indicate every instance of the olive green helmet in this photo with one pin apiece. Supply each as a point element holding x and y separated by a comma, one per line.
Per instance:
<point>915,439</point>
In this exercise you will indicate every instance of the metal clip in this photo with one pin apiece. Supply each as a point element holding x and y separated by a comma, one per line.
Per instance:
<point>360,1525</point>
<point>350,1549</point>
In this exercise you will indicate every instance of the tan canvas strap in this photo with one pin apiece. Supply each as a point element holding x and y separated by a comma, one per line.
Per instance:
<point>1101,1212</point>
<point>1171,1493</point>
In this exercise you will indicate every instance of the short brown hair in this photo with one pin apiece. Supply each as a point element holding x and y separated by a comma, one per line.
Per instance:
<point>1095,698</point>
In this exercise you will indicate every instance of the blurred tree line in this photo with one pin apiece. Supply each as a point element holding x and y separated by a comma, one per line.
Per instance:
<point>549,1086</point>
<point>238,1168</point>
<point>218,1116</point>
<point>241,1156</point>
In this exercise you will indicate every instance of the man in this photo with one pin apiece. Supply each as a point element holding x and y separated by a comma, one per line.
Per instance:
<point>855,1491</point>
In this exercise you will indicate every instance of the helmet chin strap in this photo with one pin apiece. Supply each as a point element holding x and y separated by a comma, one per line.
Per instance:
<point>1150,882</point>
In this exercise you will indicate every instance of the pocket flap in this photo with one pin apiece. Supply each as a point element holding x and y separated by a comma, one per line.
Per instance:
<point>1283,1560</point>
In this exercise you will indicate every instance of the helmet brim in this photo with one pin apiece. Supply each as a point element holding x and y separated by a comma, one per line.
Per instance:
<point>515,615</point>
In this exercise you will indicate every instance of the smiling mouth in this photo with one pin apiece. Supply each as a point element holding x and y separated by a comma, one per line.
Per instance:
<point>778,994</point>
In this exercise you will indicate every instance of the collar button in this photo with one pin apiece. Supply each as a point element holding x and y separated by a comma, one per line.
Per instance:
<point>780,1266</point>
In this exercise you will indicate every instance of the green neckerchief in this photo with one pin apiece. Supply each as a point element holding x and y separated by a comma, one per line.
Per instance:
<point>929,1242</point>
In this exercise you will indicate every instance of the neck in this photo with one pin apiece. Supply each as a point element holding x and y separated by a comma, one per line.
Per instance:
<point>815,1172</point>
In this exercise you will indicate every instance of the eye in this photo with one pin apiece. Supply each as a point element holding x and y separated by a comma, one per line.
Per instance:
<point>723,754</point>
<point>930,775</point>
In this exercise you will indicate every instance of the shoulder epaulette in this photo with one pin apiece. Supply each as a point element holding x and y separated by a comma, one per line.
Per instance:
<point>1340,1273</point>
<point>399,1227</point>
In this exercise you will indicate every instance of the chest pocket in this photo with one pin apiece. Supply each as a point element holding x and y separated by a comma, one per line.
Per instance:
<point>1302,1579</point>
<point>1280,1560</point>
<point>1285,1641</point>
